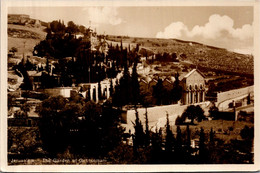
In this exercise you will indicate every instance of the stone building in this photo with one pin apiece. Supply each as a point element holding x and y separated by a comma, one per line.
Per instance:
<point>193,85</point>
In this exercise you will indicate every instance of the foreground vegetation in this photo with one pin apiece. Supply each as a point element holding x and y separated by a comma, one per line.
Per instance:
<point>77,131</point>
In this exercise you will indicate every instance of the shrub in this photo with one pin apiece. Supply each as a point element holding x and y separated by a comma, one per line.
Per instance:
<point>230,128</point>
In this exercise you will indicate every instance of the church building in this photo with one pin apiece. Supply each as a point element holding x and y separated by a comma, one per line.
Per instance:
<point>193,85</point>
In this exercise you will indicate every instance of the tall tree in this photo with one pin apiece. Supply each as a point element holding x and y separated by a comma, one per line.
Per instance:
<point>211,135</point>
<point>213,111</point>
<point>177,89</point>
<point>139,133</point>
<point>111,89</point>
<point>125,87</point>
<point>188,143</point>
<point>202,148</point>
<point>169,136</point>
<point>158,91</point>
<point>135,85</point>
<point>178,143</point>
<point>147,131</point>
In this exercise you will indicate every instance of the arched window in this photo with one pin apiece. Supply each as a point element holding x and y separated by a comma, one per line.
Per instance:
<point>201,86</point>
<point>196,86</point>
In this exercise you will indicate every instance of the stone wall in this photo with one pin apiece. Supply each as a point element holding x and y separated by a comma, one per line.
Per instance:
<point>62,91</point>
<point>157,115</point>
<point>223,96</point>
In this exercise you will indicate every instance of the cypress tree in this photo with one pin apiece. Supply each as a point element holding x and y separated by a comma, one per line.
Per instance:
<point>177,89</point>
<point>178,143</point>
<point>125,86</point>
<point>157,91</point>
<point>121,45</point>
<point>129,49</point>
<point>138,140</point>
<point>135,86</point>
<point>111,89</point>
<point>211,146</point>
<point>169,136</point>
<point>188,139</point>
<point>137,48</point>
<point>202,149</point>
<point>94,94</point>
<point>211,135</point>
<point>147,132</point>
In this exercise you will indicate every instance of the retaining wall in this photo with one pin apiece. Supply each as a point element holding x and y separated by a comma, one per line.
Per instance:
<point>234,93</point>
<point>157,115</point>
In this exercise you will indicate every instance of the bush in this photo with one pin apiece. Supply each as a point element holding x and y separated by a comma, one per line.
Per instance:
<point>247,133</point>
<point>230,128</point>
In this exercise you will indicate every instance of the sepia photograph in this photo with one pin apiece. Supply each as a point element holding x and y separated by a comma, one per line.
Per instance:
<point>114,83</point>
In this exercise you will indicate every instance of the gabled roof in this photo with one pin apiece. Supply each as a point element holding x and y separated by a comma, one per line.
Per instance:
<point>192,71</point>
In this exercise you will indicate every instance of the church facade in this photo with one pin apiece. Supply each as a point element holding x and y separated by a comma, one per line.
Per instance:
<point>193,85</point>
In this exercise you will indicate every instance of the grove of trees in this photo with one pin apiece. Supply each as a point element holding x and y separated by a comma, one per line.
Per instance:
<point>82,128</point>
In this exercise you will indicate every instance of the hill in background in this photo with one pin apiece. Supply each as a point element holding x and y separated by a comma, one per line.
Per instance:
<point>26,35</point>
<point>203,56</point>
<point>24,38</point>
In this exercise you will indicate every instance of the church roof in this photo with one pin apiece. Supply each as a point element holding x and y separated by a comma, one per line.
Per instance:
<point>192,71</point>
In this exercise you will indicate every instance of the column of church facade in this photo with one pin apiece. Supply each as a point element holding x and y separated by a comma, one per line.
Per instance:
<point>203,96</point>
<point>96,94</point>
<point>108,93</point>
<point>187,97</point>
<point>193,96</point>
<point>91,93</point>
<point>198,95</point>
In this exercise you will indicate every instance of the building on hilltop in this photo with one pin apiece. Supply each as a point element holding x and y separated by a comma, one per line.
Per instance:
<point>18,18</point>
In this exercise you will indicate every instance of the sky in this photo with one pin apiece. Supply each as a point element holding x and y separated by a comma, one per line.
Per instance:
<point>229,27</point>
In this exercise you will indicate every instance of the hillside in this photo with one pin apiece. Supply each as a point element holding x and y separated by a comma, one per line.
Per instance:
<point>24,38</point>
<point>204,56</point>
